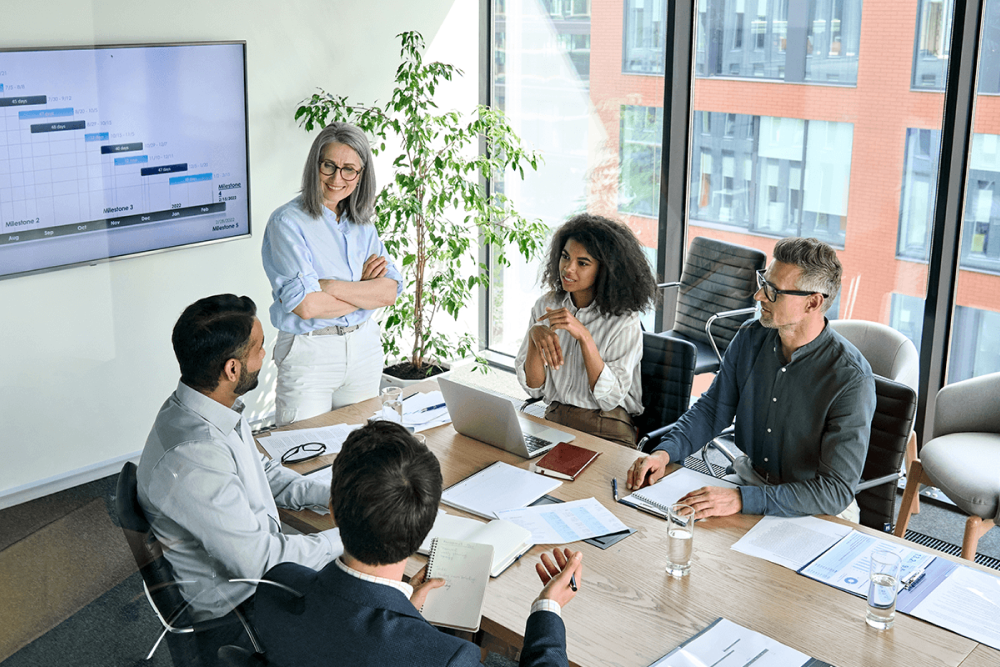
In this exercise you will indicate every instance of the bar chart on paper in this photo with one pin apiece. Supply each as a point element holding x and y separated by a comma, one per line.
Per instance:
<point>120,145</point>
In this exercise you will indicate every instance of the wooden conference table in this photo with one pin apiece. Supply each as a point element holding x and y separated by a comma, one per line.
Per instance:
<point>629,612</point>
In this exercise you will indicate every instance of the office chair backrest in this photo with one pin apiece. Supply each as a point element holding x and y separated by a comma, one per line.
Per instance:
<point>890,354</point>
<point>896,405</point>
<point>667,375</point>
<point>718,276</point>
<point>146,549</point>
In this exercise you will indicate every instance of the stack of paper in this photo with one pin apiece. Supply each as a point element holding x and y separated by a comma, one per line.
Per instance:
<point>333,437</point>
<point>499,487</point>
<point>420,412</point>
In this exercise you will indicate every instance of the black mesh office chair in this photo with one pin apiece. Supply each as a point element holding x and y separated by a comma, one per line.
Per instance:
<point>158,578</point>
<point>667,375</point>
<point>715,297</point>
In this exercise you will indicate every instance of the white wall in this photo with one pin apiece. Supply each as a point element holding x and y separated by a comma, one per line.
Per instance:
<point>85,357</point>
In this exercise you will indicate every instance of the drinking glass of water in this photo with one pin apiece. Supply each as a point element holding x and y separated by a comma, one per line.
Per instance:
<point>392,404</point>
<point>883,582</point>
<point>680,530</point>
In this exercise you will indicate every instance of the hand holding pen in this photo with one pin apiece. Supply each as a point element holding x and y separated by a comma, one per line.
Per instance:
<point>561,576</point>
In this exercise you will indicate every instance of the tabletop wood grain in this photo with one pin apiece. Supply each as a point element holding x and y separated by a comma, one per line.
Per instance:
<point>629,612</point>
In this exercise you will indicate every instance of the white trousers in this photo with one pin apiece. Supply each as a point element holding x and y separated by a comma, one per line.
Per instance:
<point>317,374</point>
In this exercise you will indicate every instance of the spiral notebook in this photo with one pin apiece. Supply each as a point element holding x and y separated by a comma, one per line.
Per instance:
<point>658,498</point>
<point>465,567</point>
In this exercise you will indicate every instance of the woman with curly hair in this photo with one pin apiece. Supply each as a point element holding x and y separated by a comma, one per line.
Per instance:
<point>584,342</point>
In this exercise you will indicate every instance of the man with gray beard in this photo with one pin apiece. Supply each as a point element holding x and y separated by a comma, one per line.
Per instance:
<point>801,394</point>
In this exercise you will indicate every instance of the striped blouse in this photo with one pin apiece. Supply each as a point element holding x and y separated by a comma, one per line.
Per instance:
<point>619,342</point>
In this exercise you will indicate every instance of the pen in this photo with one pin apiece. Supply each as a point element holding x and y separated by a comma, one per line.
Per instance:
<point>614,488</point>
<point>643,509</point>
<point>572,583</point>
<point>427,409</point>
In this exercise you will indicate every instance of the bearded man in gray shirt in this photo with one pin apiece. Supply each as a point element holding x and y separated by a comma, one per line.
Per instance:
<point>802,397</point>
<point>201,483</point>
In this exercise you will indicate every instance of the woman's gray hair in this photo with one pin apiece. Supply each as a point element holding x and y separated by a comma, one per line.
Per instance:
<point>361,203</point>
<point>821,270</point>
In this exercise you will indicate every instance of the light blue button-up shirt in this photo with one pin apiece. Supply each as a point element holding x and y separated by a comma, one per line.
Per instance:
<point>213,507</point>
<point>299,250</point>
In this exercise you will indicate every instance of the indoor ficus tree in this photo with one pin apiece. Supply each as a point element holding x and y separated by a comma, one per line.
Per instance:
<point>437,206</point>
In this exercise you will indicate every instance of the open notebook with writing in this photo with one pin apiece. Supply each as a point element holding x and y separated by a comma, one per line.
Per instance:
<point>465,567</point>
<point>509,541</point>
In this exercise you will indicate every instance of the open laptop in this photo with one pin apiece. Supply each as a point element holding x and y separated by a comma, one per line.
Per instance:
<point>493,420</point>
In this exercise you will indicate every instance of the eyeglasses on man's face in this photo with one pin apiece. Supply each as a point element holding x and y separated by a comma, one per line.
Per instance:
<point>771,290</point>
<point>348,173</point>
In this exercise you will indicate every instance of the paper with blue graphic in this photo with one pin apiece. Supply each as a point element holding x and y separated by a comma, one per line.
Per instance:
<point>845,565</point>
<point>565,522</point>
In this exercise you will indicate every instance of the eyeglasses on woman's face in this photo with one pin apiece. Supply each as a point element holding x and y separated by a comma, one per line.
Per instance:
<point>347,172</point>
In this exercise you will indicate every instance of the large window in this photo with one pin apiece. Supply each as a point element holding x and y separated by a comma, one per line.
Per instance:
<point>545,69</point>
<point>851,155</point>
<point>812,41</point>
<point>981,228</point>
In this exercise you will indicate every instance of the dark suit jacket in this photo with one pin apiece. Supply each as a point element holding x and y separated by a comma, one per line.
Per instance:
<point>341,620</point>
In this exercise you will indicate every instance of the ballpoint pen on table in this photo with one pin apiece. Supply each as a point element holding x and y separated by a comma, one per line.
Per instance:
<point>614,488</point>
<point>427,409</point>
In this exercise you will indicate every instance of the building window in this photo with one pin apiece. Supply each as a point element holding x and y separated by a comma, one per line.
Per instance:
<point>981,220</point>
<point>804,41</point>
<point>932,44</point>
<point>639,155</point>
<point>644,41</point>
<point>774,176</point>
<point>975,347</point>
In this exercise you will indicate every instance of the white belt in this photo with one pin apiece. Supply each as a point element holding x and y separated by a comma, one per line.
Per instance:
<point>334,330</point>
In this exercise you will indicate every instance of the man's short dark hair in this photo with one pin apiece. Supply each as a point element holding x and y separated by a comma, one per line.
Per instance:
<point>210,332</point>
<point>386,488</point>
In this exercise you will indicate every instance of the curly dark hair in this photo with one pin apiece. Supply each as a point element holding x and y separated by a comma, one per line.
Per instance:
<point>618,254</point>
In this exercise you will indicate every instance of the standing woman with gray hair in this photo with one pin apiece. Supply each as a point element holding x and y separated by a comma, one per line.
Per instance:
<point>329,271</point>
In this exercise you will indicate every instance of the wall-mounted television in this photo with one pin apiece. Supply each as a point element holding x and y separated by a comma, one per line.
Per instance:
<point>109,152</point>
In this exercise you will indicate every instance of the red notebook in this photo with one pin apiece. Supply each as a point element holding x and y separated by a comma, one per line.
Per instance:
<point>565,461</point>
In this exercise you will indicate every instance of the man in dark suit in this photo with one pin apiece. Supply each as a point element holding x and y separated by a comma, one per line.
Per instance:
<point>357,611</point>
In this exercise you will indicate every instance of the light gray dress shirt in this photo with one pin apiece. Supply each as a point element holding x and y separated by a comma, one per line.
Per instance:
<point>618,340</point>
<point>212,506</point>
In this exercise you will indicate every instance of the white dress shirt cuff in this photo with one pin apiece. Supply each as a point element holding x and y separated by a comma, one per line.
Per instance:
<point>545,604</point>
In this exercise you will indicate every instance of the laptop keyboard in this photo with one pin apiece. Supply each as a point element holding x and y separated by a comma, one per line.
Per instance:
<point>534,443</point>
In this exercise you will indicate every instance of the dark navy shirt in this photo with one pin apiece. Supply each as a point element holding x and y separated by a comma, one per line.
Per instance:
<point>806,421</point>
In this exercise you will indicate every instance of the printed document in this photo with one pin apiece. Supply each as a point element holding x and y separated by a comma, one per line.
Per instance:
<point>846,566</point>
<point>967,602</point>
<point>790,542</point>
<point>726,644</point>
<point>563,523</point>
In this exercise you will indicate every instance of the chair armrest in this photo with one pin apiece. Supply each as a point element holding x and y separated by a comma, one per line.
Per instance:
<point>725,313</point>
<point>528,402</point>
<point>968,406</point>
<point>866,484</point>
